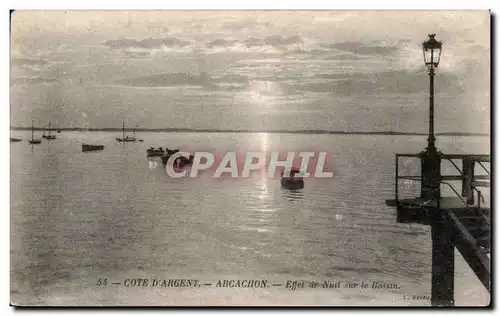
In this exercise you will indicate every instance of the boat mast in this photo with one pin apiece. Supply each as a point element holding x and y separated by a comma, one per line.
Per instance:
<point>32,129</point>
<point>123,130</point>
<point>134,132</point>
<point>49,128</point>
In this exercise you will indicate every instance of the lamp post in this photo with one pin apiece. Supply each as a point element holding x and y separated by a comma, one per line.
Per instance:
<point>431,163</point>
<point>442,248</point>
<point>432,54</point>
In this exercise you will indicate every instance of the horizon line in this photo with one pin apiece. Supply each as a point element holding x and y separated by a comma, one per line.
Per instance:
<point>191,130</point>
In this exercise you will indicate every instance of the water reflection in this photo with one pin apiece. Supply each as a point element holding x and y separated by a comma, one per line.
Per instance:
<point>154,162</point>
<point>292,194</point>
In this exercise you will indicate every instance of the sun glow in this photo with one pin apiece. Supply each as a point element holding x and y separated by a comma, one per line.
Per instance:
<point>263,93</point>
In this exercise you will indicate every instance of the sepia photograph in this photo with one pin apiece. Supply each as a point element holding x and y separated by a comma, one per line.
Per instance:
<point>250,158</point>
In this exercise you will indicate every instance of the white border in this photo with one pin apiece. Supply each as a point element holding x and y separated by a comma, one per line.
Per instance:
<point>257,5</point>
<point>176,5</point>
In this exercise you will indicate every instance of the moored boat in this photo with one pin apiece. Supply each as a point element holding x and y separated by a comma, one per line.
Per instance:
<point>34,141</point>
<point>48,136</point>
<point>292,182</point>
<point>126,138</point>
<point>168,154</point>
<point>155,152</point>
<point>87,147</point>
<point>179,161</point>
<point>15,140</point>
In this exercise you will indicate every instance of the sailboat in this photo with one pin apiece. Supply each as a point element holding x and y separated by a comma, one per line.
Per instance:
<point>126,138</point>
<point>48,136</point>
<point>33,140</point>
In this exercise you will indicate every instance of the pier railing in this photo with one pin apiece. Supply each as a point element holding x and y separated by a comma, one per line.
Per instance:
<point>463,220</point>
<point>470,182</point>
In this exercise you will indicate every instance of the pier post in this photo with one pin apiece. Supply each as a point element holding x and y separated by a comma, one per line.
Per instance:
<point>443,255</point>
<point>468,174</point>
<point>443,261</point>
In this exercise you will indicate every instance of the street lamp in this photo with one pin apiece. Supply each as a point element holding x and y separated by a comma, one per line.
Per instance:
<point>432,54</point>
<point>442,248</point>
<point>432,51</point>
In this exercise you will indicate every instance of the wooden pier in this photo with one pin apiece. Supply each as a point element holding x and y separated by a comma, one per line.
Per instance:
<point>459,221</point>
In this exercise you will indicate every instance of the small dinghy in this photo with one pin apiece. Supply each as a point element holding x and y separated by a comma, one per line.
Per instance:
<point>86,147</point>
<point>155,152</point>
<point>15,140</point>
<point>292,182</point>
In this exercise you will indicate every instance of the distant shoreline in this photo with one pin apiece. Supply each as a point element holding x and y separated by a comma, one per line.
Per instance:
<point>187,130</point>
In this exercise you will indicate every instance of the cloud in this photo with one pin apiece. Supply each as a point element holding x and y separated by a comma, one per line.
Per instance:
<point>273,40</point>
<point>270,44</point>
<point>360,48</point>
<point>243,24</point>
<point>317,54</point>
<point>122,43</point>
<point>32,80</point>
<point>150,43</point>
<point>137,54</point>
<point>220,43</point>
<point>232,81</point>
<point>28,62</point>
<point>167,80</point>
<point>278,40</point>
<point>163,41</point>
<point>401,81</point>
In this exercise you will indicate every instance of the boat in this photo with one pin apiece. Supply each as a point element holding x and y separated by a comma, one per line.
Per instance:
<point>15,140</point>
<point>292,182</point>
<point>180,161</point>
<point>155,152</point>
<point>168,153</point>
<point>59,130</point>
<point>86,147</point>
<point>126,138</point>
<point>48,136</point>
<point>34,141</point>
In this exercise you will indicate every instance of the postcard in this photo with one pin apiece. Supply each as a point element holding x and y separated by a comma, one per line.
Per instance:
<point>250,158</point>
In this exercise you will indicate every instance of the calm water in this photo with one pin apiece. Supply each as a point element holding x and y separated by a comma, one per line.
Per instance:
<point>77,217</point>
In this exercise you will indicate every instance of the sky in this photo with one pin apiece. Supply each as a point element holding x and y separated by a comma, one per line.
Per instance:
<point>285,70</point>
